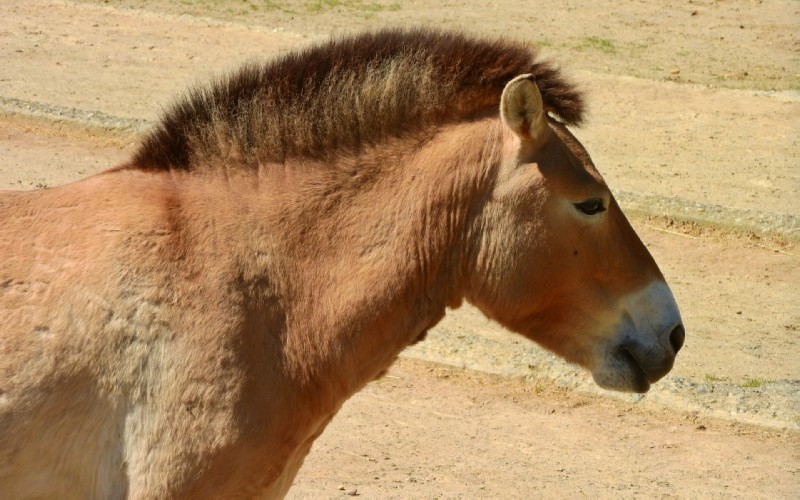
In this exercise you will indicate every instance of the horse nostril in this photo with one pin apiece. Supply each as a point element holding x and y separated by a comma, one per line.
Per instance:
<point>676,338</point>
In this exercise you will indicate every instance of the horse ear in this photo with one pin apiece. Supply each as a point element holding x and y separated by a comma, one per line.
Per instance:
<point>522,110</point>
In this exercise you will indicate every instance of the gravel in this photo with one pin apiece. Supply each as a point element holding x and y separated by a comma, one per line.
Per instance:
<point>779,227</point>
<point>61,114</point>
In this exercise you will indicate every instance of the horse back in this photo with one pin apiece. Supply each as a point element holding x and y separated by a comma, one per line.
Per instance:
<point>65,331</point>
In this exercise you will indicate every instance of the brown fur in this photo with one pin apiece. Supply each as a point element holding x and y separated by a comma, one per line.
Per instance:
<point>346,94</point>
<point>187,325</point>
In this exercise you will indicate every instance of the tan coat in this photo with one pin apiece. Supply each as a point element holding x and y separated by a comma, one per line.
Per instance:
<point>187,329</point>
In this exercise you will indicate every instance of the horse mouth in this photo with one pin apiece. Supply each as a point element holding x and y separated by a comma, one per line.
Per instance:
<point>638,379</point>
<point>622,372</point>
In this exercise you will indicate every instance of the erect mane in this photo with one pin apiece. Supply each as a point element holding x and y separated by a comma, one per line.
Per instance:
<point>344,94</point>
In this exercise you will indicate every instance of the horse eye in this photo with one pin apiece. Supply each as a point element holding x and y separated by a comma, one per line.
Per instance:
<point>591,207</point>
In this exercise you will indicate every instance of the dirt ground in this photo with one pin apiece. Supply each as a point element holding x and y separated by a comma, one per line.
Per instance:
<point>694,121</point>
<point>432,432</point>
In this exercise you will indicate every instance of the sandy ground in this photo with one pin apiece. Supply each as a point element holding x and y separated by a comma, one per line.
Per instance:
<point>695,119</point>
<point>429,432</point>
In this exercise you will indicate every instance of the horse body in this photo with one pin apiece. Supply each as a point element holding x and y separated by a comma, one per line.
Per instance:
<point>171,332</point>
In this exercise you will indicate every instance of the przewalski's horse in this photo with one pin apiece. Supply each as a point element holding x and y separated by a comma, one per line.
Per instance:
<point>185,325</point>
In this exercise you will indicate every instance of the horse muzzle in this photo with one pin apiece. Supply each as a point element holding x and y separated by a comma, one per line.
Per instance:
<point>648,366</point>
<point>645,342</point>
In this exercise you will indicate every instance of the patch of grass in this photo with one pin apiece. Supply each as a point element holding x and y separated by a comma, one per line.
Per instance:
<point>319,6</point>
<point>262,4</point>
<point>753,383</point>
<point>597,43</point>
<point>712,378</point>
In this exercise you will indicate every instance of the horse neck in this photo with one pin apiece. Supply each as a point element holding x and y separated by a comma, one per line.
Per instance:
<point>350,262</point>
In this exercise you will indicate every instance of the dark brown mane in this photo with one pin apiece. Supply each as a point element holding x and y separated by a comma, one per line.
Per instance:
<point>344,94</point>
